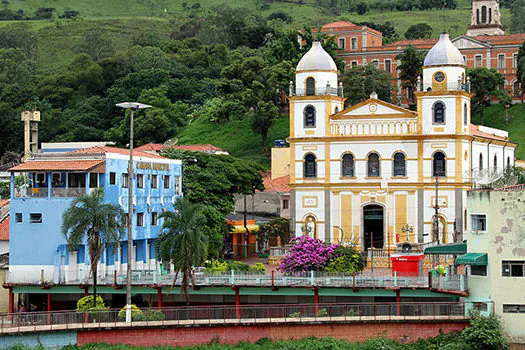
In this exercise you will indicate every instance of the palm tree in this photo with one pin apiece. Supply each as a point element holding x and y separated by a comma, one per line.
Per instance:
<point>99,223</point>
<point>182,241</point>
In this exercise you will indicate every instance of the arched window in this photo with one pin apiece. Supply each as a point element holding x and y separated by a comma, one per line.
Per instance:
<point>310,166</point>
<point>477,16</point>
<point>439,112</point>
<point>490,15</point>
<point>516,88</point>
<point>480,161</point>
<point>495,162</point>
<point>484,14</point>
<point>465,115</point>
<point>347,165</point>
<point>309,117</point>
<point>373,165</point>
<point>439,164</point>
<point>310,86</point>
<point>336,109</point>
<point>399,164</point>
<point>508,162</point>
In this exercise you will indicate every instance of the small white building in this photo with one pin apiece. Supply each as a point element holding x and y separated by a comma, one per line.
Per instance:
<point>367,174</point>
<point>496,255</point>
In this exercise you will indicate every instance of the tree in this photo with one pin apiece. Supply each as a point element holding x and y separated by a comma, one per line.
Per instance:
<point>95,44</point>
<point>418,31</point>
<point>182,242</point>
<point>411,67</point>
<point>360,81</point>
<point>520,71</point>
<point>99,224</point>
<point>517,10</point>
<point>362,8</point>
<point>485,83</point>
<point>505,100</point>
<point>484,333</point>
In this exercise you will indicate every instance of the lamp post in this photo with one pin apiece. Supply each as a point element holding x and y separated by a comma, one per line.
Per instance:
<point>131,106</point>
<point>407,229</point>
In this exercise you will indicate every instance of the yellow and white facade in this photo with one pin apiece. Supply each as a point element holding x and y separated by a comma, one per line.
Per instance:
<point>368,173</point>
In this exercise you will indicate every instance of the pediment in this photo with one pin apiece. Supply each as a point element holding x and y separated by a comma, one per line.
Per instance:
<point>466,42</point>
<point>374,108</point>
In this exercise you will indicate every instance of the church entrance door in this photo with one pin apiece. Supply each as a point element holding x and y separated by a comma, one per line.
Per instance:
<point>373,226</point>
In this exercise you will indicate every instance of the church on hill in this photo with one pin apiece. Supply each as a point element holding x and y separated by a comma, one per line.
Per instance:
<point>368,174</point>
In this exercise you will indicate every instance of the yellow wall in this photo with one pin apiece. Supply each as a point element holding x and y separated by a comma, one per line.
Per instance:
<point>4,294</point>
<point>346,216</point>
<point>280,162</point>
<point>401,216</point>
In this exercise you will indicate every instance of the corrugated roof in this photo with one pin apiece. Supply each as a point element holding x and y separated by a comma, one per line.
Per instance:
<point>58,165</point>
<point>4,229</point>
<point>109,149</point>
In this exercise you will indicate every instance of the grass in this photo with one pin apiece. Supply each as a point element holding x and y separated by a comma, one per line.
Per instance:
<point>236,137</point>
<point>494,118</point>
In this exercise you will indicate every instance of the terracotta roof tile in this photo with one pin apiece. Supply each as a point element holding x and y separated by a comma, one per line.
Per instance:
<point>4,229</point>
<point>109,149</point>
<point>339,24</point>
<point>159,147</point>
<point>58,165</point>
<point>3,202</point>
<point>474,130</point>
<point>519,187</point>
<point>279,184</point>
<point>518,38</point>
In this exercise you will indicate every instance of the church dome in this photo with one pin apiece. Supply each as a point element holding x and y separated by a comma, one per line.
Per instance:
<point>316,59</point>
<point>444,53</point>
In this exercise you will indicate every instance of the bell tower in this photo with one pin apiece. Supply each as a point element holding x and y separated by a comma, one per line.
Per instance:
<point>485,18</point>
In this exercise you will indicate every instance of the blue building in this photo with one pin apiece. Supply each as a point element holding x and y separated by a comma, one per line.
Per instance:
<point>39,252</point>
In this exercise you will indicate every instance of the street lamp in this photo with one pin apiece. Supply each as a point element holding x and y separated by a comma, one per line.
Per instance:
<point>407,229</point>
<point>131,106</point>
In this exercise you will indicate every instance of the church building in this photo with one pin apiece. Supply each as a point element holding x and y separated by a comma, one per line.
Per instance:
<point>373,174</point>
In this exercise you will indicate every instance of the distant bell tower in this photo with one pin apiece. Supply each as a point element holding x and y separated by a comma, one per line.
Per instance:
<point>30,119</point>
<point>485,18</point>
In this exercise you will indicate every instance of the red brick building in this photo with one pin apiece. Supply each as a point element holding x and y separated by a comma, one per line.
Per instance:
<point>360,45</point>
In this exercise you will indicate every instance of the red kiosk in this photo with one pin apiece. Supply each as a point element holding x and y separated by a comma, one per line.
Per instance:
<point>407,264</point>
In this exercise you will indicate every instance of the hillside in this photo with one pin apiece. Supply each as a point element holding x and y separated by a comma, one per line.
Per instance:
<point>240,141</point>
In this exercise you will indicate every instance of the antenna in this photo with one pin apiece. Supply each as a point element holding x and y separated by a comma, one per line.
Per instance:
<point>490,178</point>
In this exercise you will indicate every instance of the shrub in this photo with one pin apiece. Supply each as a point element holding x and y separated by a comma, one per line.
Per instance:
<point>154,315</point>
<point>238,266</point>
<point>258,268</point>
<point>136,314</point>
<point>322,313</point>
<point>484,333</point>
<point>347,260</point>
<point>352,313</point>
<point>216,267</point>
<point>307,254</point>
<point>86,303</point>
<point>296,314</point>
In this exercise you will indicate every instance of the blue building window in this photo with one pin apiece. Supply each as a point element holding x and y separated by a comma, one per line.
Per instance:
<point>112,178</point>
<point>18,218</point>
<point>35,218</point>
<point>154,218</point>
<point>125,180</point>
<point>154,181</point>
<point>140,219</point>
<point>166,179</point>
<point>140,180</point>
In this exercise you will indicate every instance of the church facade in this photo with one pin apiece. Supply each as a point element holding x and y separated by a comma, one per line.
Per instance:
<point>368,174</point>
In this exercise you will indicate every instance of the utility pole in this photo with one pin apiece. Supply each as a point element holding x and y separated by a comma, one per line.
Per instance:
<point>436,212</point>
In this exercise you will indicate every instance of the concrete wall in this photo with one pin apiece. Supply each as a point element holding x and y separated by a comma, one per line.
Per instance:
<point>54,340</point>
<point>504,239</point>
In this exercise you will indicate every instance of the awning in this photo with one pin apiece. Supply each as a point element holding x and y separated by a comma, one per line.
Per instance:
<point>242,229</point>
<point>474,259</point>
<point>453,249</point>
<point>58,165</point>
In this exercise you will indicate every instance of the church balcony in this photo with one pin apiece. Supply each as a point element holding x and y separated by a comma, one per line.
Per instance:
<point>324,91</point>
<point>366,128</point>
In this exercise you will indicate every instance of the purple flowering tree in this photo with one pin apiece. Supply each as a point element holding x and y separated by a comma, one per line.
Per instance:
<point>307,254</point>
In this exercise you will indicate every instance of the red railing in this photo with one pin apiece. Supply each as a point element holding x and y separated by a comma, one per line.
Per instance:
<point>232,314</point>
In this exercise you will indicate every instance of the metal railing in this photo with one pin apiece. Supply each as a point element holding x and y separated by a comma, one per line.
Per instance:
<point>384,279</point>
<point>234,314</point>
<point>323,91</point>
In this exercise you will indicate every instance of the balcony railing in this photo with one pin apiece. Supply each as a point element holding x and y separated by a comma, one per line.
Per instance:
<point>236,314</point>
<point>66,276</point>
<point>324,91</point>
<point>56,192</point>
<point>357,128</point>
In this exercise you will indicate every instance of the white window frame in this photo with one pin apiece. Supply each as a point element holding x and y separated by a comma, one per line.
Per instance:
<point>472,215</point>
<point>140,219</point>
<point>480,61</point>
<point>35,221</point>
<point>140,180</point>
<point>515,61</point>
<point>354,44</point>
<point>343,42</point>
<point>504,61</point>
<point>389,70</point>
<point>354,63</point>
<point>375,62</point>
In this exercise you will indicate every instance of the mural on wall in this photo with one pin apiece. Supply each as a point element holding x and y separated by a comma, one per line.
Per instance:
<point>513,220</point>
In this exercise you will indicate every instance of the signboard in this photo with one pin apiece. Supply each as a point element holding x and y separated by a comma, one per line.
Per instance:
<point>153,166</point>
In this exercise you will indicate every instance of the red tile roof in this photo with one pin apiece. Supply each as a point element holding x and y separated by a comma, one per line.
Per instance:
<point>159,147</point>
<point>518,38</point>
<point>3,202</point>
<point>279,184</point>
<point>519,187</point>
<point>416,42</point>
<point>58,165</point>
<point>474,130</point>
<point>109,149</point>
<point>339,24</point>
<point>4,229</point>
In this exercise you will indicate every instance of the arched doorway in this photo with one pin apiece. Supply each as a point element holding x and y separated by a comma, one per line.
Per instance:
<point>373,226</point>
